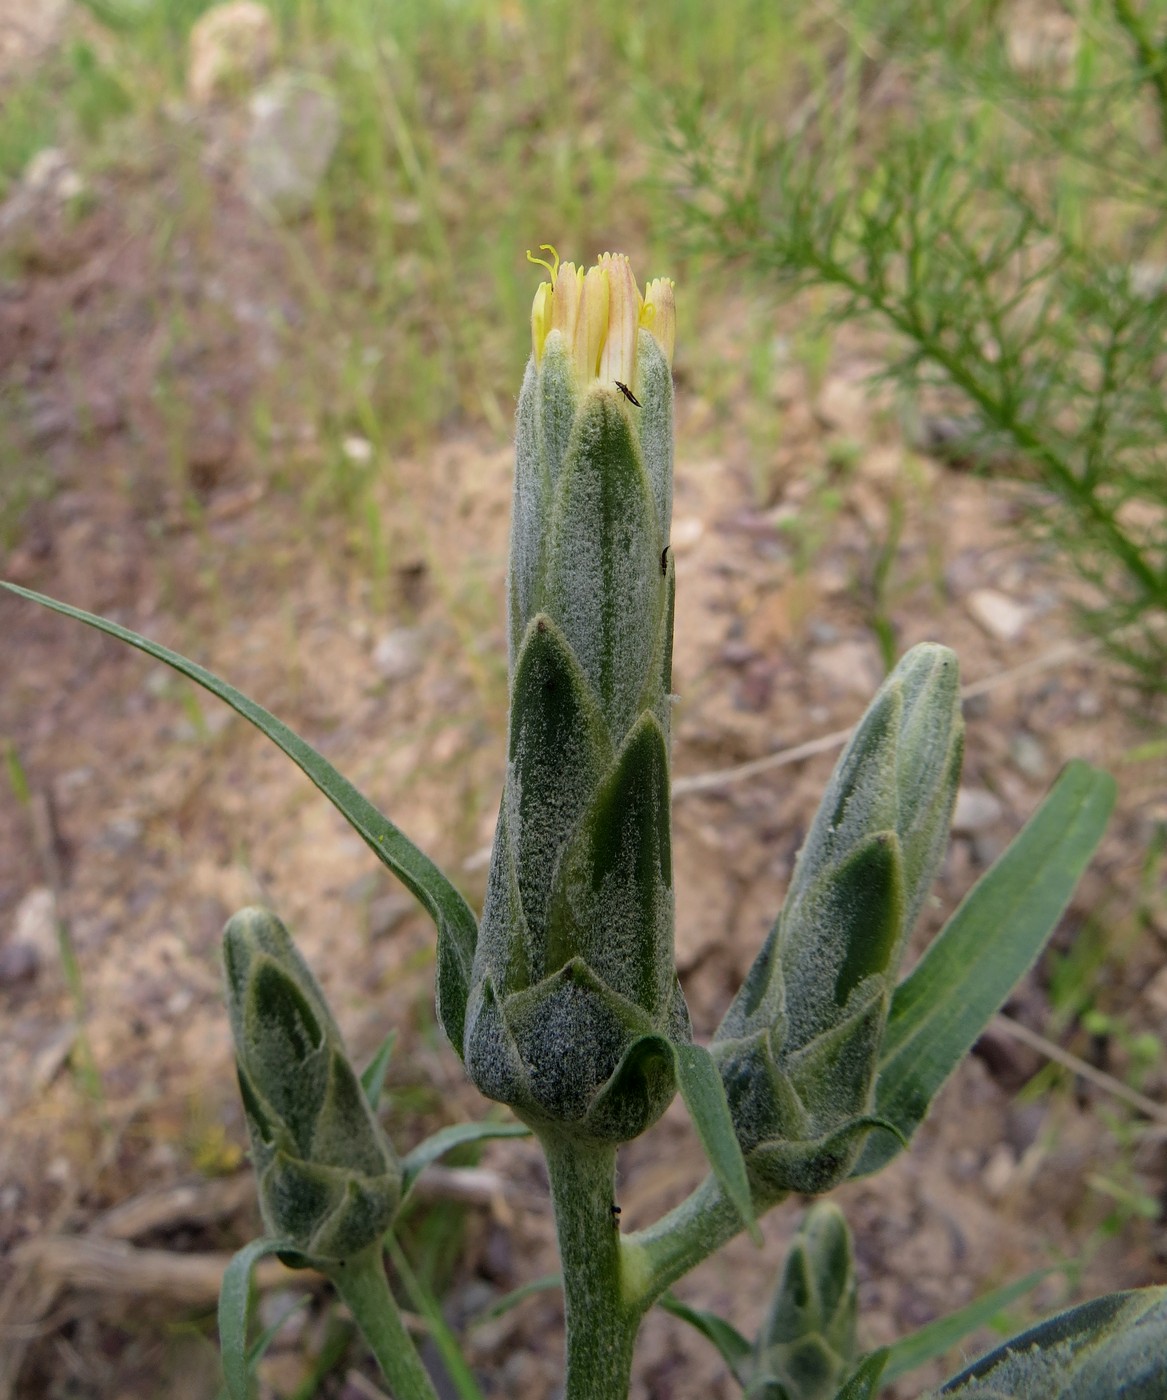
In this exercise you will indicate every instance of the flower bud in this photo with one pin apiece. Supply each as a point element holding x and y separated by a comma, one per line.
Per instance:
<point>329,1181</point>
<point>807,1345</point>
<point>574,984</point>
<point>798,1047</point>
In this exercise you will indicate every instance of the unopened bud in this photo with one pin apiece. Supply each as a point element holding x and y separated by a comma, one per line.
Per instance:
<point>329,1181</point>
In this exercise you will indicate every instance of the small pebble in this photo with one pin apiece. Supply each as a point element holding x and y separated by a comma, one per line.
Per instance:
<point>1028,755</point>
<point>998,1172</point>
<point>34,924</point>
<point>19,964</point>
<point>400,653</point>
<point>997,614</point>
<point>976,810</point>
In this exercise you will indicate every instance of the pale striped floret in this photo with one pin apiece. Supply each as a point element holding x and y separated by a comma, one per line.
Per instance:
<point>599,312</point>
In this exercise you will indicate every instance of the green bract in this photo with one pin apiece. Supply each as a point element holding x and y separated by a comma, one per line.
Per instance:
<point>329,1182</point>
<point>574,989</point>
<point>1109,1347</point>
<point>807,1346</point>
<point>799,1045</point>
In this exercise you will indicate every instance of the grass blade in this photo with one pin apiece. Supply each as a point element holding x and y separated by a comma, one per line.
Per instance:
<point>447,1344</point>
<point>936,1338</point>
<point>373,1075</point>
<point>446,1139</point>
<point>734,1348</point>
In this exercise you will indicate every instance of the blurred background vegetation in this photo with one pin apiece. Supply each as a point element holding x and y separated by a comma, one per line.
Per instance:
<point>986,181</point>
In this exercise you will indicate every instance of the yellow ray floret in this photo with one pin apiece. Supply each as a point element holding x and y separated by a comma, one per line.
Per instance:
<point>599,312</point>
<point>658,315</point>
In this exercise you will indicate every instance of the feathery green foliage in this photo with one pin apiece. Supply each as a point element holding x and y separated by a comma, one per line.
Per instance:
<point>1004,218</point>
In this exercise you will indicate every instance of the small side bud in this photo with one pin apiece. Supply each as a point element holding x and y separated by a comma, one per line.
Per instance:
<point>798,1047</point>
<point>329,1181</point>
<point>807,1344</point>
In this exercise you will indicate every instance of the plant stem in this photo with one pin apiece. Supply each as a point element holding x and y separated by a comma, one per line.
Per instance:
<point>362,1284</point>
<point>601,1326</point>
<point>660,1254</point>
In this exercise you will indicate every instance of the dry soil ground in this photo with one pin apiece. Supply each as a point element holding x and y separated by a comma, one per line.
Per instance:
<point>153,813</point>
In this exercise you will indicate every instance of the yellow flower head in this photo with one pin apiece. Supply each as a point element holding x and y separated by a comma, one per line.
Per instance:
<point>600,312</point>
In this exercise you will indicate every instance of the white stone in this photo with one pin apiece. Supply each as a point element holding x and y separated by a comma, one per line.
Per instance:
<point>1156,991</point>
<point>976,810</point>
<point>45,168</point>
<point>851,667</point>
<point>230,44</point>
<point>49,173</point>
<point>999,1171</point>
<point>1029,756</point>
<point>295,125</point>
<point>400,653</point>
<point>35,923</point>
<point>357,449</point>
<point>997,614</point>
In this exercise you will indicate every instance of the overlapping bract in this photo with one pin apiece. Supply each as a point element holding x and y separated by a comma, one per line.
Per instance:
<point>329,1181</point>
<point>1109,1347</point>
<point>799,1045</point>
<point>807,1345</point>
<point>574,991</point>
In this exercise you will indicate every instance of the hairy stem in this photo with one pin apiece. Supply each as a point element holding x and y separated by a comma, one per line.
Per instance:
<point>601,1326</point>
<point>361,1282</point>
<point>660,1254</point>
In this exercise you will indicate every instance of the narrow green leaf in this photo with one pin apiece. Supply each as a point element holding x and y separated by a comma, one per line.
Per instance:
<point>446,1139</point>
<point>447,1344</point>
<point>867,1381</point>
<point>258,1349</point>
<point>735,1351</point>
<point>234,1298</point>
<point>936,1338</point>
<point>704,1095</point>
<point>373,1078</point>
<point>990,942</point>
<point>457,926</point>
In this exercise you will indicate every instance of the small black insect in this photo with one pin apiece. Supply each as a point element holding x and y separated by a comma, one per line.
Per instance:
<point>615,1212</point>
<point>628,394</point>
<point>664,561</point>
